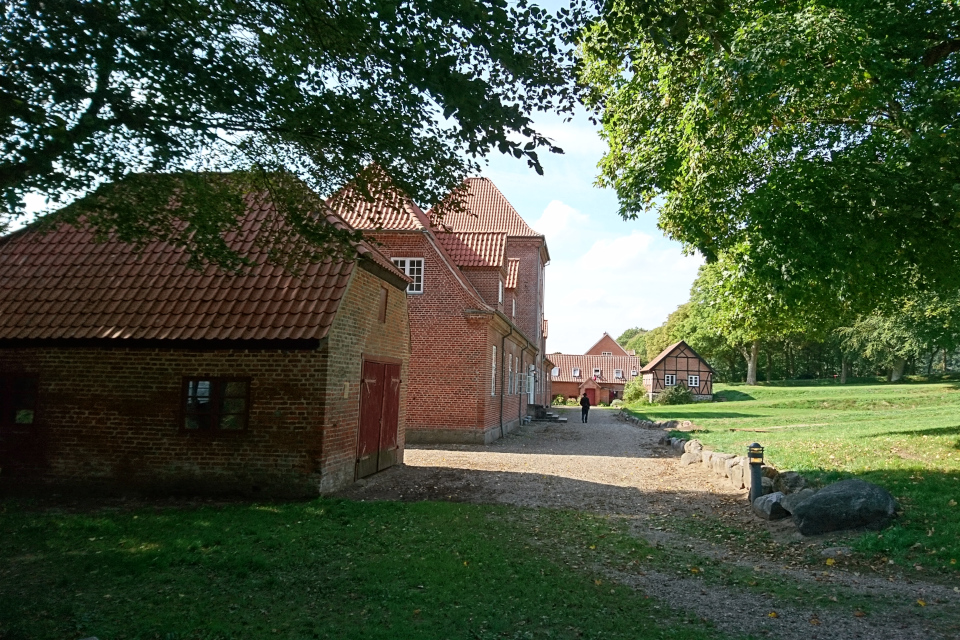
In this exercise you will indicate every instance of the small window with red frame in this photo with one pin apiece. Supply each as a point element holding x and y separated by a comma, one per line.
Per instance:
<point>215,404</point>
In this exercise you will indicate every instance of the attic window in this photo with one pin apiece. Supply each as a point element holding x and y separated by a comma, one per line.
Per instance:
<point>555,371</point>
<point>413,267</point>
<point>618,373</point>
<point>596,373</point>
<point>576,372</point>
<point>606,353</point>
<point>633,372</point>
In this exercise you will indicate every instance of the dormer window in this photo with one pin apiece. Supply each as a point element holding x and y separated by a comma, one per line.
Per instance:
<point>633,372</point>
<point>555,371</point>
<point>576,372</point>
<point>618,373</point>
<point>596,373</point>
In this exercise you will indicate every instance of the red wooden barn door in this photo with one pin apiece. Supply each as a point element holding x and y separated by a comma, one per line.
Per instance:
<point>591,396</point>
<point>379,417</point>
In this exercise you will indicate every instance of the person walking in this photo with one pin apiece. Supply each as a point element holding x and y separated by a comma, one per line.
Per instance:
<point>584,408</point>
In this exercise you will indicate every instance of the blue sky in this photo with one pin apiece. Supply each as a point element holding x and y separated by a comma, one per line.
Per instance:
<point>605,273</point>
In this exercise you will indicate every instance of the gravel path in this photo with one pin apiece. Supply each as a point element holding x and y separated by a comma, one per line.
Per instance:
<point>614,468</point>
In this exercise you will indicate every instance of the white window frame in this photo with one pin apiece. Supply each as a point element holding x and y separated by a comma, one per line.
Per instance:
<point>618,373</point>
<point>514,308</point>
<point>531,384</point>
<point>633,372</point>
<point>669,379</point>
<point>555,371</point>
<point>693,382</point>
<point>606,353</point>
<point>518,389</point>
<point>598,373</point>
<point>576,372</point>
<point>500,292</point>
<point>413,267</point>
<point>493,373</point>
<point>509,375</point>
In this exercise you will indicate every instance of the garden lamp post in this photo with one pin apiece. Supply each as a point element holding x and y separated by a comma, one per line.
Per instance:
<point>755,457</point>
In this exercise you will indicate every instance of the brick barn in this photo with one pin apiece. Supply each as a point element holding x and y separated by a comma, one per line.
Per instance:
<point>130,370</point>
<point>476,309</point>
<point>678,364</point>
<point>602,372</point>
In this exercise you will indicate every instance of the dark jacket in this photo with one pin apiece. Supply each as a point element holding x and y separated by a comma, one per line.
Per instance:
<point>585,402</point>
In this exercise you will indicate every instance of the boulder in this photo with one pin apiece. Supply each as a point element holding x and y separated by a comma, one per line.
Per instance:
<point>792,500</point>
<point>677,444</point>
<point>768,507</point>
<point>767,486</point>
<point>706,458</point>
<point>690,457</point>
<point>693,445</point>
<point>847,504</point>
<point>735,473</point>
<point>789,482</point>
<point>769,472</point>
<point>719,462</point>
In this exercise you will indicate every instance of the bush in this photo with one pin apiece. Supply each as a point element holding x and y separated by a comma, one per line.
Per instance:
<point>617,403</point>
<point>675,395</point>
<point>634,391</point>
<point>572,402</point>
<point>558,400</point>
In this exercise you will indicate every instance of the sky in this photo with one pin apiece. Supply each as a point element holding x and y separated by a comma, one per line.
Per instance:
<point>605,274</point>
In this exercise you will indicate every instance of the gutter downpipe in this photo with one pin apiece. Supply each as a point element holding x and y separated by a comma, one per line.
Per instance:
<point>503,370</point>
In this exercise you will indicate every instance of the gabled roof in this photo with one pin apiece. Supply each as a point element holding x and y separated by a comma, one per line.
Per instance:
<point>474,248</point>
<point>62,284</point>
<point>513,272</point>
<point>390,210</point>
<point>615,348</point>
<point>487,210</point>
<point>607,365</point>
<point>666,352</point>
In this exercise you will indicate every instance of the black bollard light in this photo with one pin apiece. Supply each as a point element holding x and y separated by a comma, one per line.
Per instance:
<point>755,456</point>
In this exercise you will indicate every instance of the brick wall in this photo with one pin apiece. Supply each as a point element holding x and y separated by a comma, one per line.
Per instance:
<point>487,281</point>
<point>529,292</point>
<point>111,417</point>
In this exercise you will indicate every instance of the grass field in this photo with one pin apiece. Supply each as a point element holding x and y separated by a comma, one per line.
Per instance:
<point>322,569</point>
<point>905,437</point>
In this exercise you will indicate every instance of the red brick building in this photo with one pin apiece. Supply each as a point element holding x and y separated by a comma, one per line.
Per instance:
<point>130,369</point>
<point>678,364</point>
<point>476,310</point>
<point>601,373</point>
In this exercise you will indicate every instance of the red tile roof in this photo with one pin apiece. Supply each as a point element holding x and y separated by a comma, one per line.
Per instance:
<point>586,364</point>
<point>62,284</point>
<point>513,272</point>
<point>474,248</point>
<point>487,210</point>
<point>390,210</point>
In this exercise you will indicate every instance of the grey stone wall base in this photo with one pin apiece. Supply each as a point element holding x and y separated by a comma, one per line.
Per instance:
<point>459,436</point>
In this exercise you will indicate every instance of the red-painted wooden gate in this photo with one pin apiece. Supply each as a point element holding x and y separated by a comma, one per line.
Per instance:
<point>591,396</point>
<point>379,417</point>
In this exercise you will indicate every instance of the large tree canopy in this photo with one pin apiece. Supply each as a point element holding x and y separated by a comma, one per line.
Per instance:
<point>94,90</point>
<point>815,143</point>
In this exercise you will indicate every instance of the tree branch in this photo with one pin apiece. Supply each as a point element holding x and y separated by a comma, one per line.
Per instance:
<point>935,54</point>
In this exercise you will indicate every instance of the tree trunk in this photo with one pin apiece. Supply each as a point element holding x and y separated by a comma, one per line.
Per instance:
<point>930,362</point>
<point>751,358</point>
<point>944,360</point>
<point>896,371</point>
<point>769,366</point>
<point>844,368</point>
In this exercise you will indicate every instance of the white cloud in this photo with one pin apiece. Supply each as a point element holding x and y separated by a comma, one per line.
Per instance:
<point>559,219</point>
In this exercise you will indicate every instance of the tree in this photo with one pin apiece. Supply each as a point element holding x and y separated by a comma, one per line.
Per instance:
<point>95,91</point>
<point>627,335</point>
<point>813,143</point>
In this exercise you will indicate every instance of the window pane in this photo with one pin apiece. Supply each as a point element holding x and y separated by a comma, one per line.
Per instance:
<point>236,389</point>
<point>23,416</point>
<point>233,405</point>
<point>232,422</point>
<point>197,421</point>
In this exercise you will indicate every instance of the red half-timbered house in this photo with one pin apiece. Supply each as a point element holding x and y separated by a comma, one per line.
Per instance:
<point>678,364</point>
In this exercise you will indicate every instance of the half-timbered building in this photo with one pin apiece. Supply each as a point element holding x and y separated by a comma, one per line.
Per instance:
<point>678,364</point>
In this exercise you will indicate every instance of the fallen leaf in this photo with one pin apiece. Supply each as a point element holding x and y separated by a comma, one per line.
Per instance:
<point>814,620</point>
<point>773,614</point>
<point>921,603</point>
<point>831,562</point>
<point>859,614</point>
<point>593,546</point>
<point>952,503</point>
<point>598,582</point>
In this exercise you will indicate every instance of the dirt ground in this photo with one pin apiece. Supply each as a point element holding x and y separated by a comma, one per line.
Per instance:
<point>613,468</point>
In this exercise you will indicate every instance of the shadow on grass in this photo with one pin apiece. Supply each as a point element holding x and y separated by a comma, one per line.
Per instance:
<point>938,431</point>
<point>732,395</point>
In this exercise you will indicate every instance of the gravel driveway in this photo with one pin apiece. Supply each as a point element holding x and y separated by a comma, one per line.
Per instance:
<point>613,468</point>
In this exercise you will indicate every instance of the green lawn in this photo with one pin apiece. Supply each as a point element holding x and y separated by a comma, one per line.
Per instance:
<point>905,437</point>
<point>322,569</point>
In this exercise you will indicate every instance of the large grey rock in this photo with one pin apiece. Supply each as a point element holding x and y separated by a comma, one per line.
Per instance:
<point>847,504</point>
<point>692,445</point>
<point>767,486</point>
<point>719,462</point>
<point>768,507</point>
<point>790,482</point>
<point>735,473</point>
<point>706,458</point>
<point>791,501</point>
<point>769,472</point>
<point>690,457</point>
